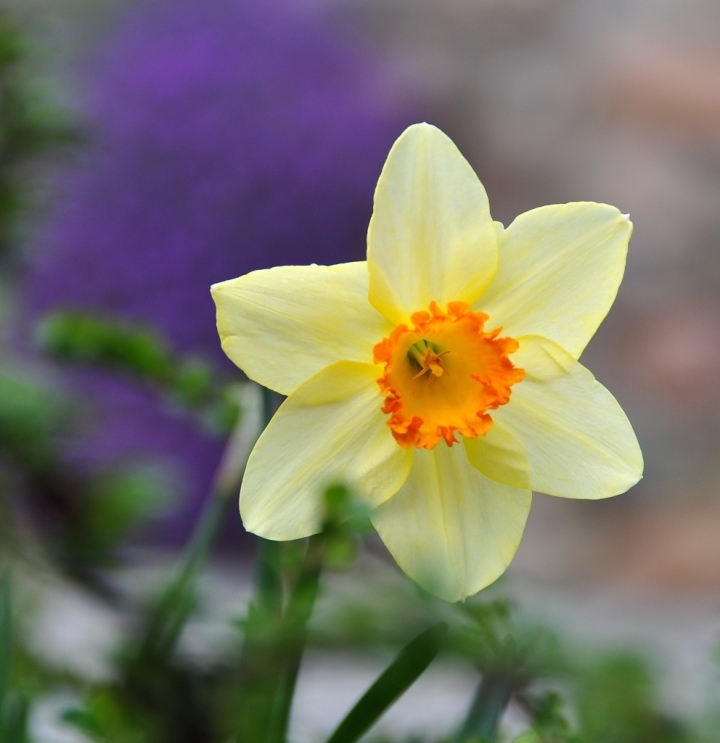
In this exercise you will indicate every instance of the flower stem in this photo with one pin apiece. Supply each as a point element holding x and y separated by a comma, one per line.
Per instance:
<point>275,632</point>
<point>300,608</point>
<point>261,657</point>
<point>275,641</point>
<point>491,698</point>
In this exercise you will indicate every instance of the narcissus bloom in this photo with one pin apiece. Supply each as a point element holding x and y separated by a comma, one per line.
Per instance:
<point>440,378</point>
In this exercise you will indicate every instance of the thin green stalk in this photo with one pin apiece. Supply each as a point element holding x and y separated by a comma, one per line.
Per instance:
<point>6,636</point>
<point>487,708</point>
<point>176,602</point>
<point>300,608</point>
<point>275,634</point>
<point>260,664</point>
<point>261,659</point>
<point>275,641</point>
<point>268,577</point>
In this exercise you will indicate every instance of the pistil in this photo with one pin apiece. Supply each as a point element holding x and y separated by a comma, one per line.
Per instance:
<point>424,413</point>
<point>428,357</point>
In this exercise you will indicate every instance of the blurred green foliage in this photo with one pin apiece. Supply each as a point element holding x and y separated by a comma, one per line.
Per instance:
<point>81,338</point>
<point>13,703</point>
<point>30,127</point>
<point>73,517</point>
<point>547,714</point>
<point>82,515</point>
<point>617,703</point>
<point>161,694</point>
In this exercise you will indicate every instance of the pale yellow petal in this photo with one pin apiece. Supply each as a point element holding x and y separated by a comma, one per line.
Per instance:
<point>559,272</point>
<point>282,325</point>
<point>562,432</point>
<point>450,528</point>
<point>330,429</point>
<point>500,454</point>
<point>431,237</point>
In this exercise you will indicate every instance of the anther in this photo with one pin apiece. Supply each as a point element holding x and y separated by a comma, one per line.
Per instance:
<point>428,358</point>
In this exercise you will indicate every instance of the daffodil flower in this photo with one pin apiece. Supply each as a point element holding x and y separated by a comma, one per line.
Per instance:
<point>440,378</point>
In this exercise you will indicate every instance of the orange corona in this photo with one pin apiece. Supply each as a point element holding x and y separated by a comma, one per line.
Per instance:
<point>443,374</point>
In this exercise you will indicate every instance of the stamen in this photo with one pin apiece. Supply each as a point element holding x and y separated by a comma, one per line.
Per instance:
<point>426,406</point>
<point>431,362</point>
<point>417,353</point>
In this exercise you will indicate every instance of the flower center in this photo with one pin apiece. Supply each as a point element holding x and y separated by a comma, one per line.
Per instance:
<point>426,356</point>
<point>443,374</point>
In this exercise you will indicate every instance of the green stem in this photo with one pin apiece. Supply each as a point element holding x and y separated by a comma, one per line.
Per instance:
<point>299,611</point>
<point>268,577</point>
<point>176,603</point>
<point>261,660</point>
<point>483,719</point>
<point>275,641</point>
<point>275,636</point>
<point>260,663</point>
<point>6,637</point>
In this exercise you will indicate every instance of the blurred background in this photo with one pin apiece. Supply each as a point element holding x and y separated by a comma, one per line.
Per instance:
<point>151,148</point>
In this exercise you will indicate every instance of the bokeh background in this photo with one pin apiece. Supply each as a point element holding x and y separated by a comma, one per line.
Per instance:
<point>210,138</point>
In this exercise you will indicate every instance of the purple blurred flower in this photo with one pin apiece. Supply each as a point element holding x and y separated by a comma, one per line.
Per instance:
<point>226,136</point>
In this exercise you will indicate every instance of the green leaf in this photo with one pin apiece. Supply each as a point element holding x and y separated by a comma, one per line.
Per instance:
<point>30,418</point>
<point>81,337</point>
<point>122,347</point>
<point>84,721</point>
<point>397,678</point>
